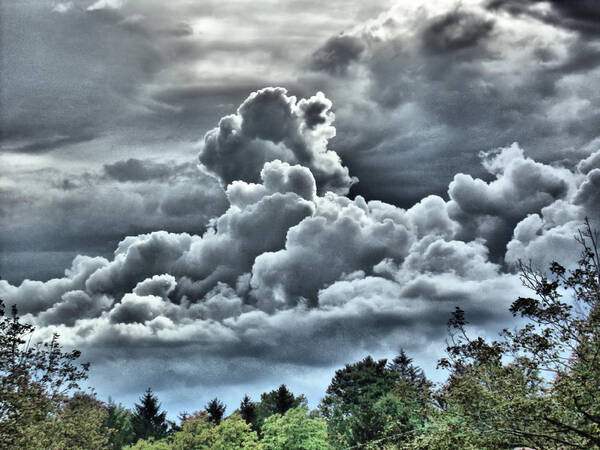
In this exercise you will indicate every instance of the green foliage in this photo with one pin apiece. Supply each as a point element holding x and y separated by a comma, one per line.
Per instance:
<point>295,430</point>
<point>150,444</point>
<point>276,402</point>
<point>78,424</point>
<point>349,404</point>
<point>202,433</point>
<point>148,421</point>
<point>538,386</point>
<point>35,380</point>
<point>119,424</point>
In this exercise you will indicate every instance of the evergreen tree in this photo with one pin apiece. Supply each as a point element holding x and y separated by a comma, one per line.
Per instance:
<point>284,401</point>
<point>248,410</point>
<point>275,402</point>
<point>215,410</point>
<point>412,377</point>
<point>147,419</point>
<point>118,423</point>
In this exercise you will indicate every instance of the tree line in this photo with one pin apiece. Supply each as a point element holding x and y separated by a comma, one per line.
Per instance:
<point>536,386</point>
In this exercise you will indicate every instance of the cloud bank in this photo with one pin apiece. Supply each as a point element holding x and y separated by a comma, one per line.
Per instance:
<point>294,271</point>
<point>265,256</point>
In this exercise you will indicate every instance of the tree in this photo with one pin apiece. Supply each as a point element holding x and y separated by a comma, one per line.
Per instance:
<point>202,433</point>
<point>411,375</point>
<point>351,397</point>
<point>80,424</point>
<point>215,409</point>
<point>295,430</point>
<point>118,422</point>
<point>234,432</point>
<point>284,400</point>
<point>274,402</point>
<point>151,444</point>
<point>248,410</point>
<point>35,380</point>
<point>148,420</point>
<point>538,385</point>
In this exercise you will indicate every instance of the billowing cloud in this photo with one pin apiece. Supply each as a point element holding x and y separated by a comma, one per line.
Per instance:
<point>521,186</point>
<point>296,276</point>
<point>272,125</point>
<point>436,83</point>
<point>270,259</point>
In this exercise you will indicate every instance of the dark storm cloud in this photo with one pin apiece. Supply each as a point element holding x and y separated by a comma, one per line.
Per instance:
<point>281,250</point>
<point>138,170</point>
<point>47,144</point>
<point>437,83</point>
<point>275,267</point>
<point>456,31</point>
<point>582,16</point>
<point>337,54</point>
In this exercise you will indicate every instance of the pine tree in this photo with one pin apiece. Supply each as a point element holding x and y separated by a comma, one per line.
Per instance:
<point>147,419</point>
<point>248,410</point>
<point>284,401</point>
<point>215,409</point>
<point>411,374</point>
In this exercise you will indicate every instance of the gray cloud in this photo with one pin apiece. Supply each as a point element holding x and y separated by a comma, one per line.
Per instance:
<point>582,16</point>
<point>435,85</point>
<point>455,31</point>
<point>337,54</point>
<point>137,170</point>
<point>492,210</point>
<point>271,269</point>
<point>272,125</point>
<point>90,212</point>
<point>290,277</point>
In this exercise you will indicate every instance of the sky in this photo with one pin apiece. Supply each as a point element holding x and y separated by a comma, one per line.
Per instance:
<point>213,198</point>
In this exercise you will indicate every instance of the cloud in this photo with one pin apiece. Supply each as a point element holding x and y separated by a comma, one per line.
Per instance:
<point>337,54</point>
<point>279,261</point>
<point>105,4</point>
<point>127,197</point>
<point>521,186</point>
<point>137,170</point>
<point>582,16</point>
<point>455,31</point>
<point>290,275</point>
<point>270,125</point>
<point>75,305</point>
<point>435,85</point>
<point>62,7</point>
<point>342,236</point>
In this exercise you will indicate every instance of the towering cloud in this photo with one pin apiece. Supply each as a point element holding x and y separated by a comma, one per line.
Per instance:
<point>272,125</point>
